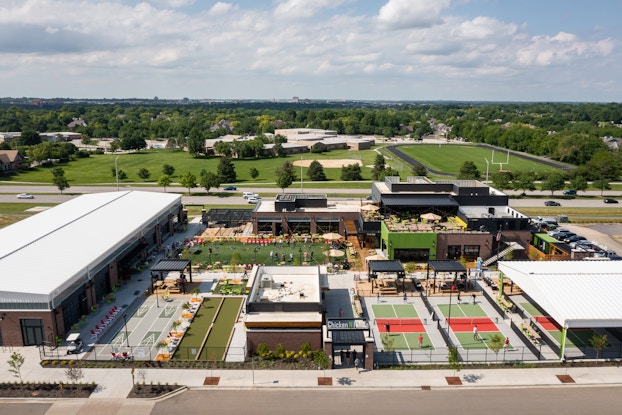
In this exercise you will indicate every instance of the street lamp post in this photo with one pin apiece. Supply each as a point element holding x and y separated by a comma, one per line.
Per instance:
<point>301,190</point>
<point>127,339</point>
<point>300,254</point>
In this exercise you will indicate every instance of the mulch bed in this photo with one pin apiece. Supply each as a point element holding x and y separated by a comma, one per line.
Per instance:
<point>453,380</point>
<point>211,381</point>
<point>45,390</point>
<point>151,391</point>
<point>325,381</point>
<point>565,378</point>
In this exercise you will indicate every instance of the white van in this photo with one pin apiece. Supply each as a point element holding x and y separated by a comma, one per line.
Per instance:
<point>246,195</point>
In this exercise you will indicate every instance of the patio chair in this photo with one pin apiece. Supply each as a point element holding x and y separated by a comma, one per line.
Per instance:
<point>104,323</point>
<point>94,335</point>
<point>127,356</point>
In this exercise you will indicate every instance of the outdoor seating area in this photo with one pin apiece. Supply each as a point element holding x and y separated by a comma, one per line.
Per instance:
<point>104,323</point>
<point>179,328</point>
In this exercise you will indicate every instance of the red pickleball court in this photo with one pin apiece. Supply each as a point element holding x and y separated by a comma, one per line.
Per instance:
<point>400,325</point>
<point>461,324</point>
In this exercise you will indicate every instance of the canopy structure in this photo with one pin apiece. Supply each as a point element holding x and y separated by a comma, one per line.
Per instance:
<point>576,294</point>
<point>167,265</point>
<point>445,266</point>
<point>385,266</point>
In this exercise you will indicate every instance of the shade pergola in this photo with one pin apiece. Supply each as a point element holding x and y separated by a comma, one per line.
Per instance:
<point>389,266</point>
<point>168,265</point>
<point>560,288</point>
<point>444,266</point>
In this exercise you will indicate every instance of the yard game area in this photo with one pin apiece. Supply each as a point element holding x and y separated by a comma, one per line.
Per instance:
<point>404,326</point>
<point>210,332</point>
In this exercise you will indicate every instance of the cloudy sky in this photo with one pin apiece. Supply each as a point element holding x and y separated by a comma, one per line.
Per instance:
<point>511,50</point>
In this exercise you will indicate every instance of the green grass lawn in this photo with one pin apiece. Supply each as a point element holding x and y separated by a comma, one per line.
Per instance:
<point>449,158</point>
<point>218,340</point>
<point>193,338</point>
<point>256,254</point>
<point>98,169</point>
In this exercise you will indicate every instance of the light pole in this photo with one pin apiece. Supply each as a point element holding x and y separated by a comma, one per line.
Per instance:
<point>127,339</point>
<point>485,159</point>
<point>301,190</point>
<point>116,171</point>
<point>300,255</point>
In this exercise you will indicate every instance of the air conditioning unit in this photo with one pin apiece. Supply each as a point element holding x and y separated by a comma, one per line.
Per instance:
<point>266,281</point>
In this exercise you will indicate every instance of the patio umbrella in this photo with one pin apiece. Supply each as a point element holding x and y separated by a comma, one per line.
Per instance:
<point>331,236</point>
<point>369,208</point>
<point>334,253</point>
<point>430,216</point>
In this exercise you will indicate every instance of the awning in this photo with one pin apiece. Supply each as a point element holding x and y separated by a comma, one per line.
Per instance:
<point>414,201</point>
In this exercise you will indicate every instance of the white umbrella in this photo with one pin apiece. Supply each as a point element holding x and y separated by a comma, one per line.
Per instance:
<point>430,216</point>
<point>375,258</point>
<point>370,208</point>
<point>334,252</point>
<point>331,236</point>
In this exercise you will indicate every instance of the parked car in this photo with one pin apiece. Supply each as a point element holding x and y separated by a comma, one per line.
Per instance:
<point>575,238</point>
<point>551,203</point>
<point>25,196</point>
<point>570,192</point>
<point>565,235</point>
<point>608,200</point>
<point>231,188</point>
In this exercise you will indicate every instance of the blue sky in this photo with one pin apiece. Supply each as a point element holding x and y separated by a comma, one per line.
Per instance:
<point>494,50</point>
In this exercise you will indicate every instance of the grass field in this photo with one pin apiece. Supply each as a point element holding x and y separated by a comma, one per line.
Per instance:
<point>215,347</point>
<point>449,158</point>
<point>193,338</point>
<point>98,169</point>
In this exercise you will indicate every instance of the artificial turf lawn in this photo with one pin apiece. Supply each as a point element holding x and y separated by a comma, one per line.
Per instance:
<point>462,310</point>
<point>532,309</point>
<point>218,340</point>
<point>394,311</point>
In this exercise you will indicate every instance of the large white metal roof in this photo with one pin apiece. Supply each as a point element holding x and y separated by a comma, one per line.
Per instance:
<point>574,293</point>
<point>46,253</point>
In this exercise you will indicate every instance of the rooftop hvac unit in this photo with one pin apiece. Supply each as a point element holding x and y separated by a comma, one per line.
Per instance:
<point>266,281</point>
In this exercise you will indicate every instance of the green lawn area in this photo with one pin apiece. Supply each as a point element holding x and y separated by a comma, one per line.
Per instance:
<point>256,254</point>
<point>98,169</point>
<point>193,338</point>
<point>449,158</point>
<point>532,309</point>
<point>218,340</point>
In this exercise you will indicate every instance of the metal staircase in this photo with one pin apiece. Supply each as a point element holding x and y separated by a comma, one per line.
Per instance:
<point>511,246</point>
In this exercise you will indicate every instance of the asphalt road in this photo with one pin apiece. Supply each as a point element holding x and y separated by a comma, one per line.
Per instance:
<point>518,401</point>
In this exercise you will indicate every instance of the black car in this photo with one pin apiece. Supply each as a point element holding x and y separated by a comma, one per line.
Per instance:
<point>551,203</point>
<point>575,238</point>
<point>610,200</point>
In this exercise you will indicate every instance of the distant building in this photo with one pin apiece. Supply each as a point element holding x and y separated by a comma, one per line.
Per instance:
<point>10,161</point>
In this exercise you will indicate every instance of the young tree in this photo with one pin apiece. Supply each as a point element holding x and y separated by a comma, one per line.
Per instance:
<point>58,171</point>
<point>502,181</point>
<point>524,181</point>
<point>598,342</point>
<point>195,142</point>
<point>209,180</point>
<point>15,365</point>
<point>168,169</point>
<point>122,175</point>
<point>278,150</point>
<point>285,175</point>
<point>419,170</point>
<point>316,171</point>
<point>579,183</point>
<point>74,374</point>
<point>143,173</point>
<point>453,358</point>
<point>379,166</point>
<point>468,171</point>
<point>253,172</point>
<point>602,185</point>
<point>554,182</point>
<point>61,182</point>
<point>188,180</point>
<point>351,172</point>
<point>226,170</point>
<point>164,181</point>
<point>388,172</point>
<point>496,343</point>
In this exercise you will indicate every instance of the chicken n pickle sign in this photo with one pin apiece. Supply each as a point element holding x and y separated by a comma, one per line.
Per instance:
<point>347,324</point>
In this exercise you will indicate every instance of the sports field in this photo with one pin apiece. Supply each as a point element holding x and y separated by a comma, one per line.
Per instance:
<point>578,338</point>
<point>450,157</point>
<point>402,325</point>
<point>464,317</point>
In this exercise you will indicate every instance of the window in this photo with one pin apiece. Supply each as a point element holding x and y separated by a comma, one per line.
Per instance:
<point>471,252</point>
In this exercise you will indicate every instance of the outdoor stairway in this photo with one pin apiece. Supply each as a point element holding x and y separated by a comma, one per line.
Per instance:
<point>512,246</point>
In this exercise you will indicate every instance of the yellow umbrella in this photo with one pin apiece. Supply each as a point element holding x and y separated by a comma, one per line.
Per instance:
<point>370,208</point>
<point>430,216</point>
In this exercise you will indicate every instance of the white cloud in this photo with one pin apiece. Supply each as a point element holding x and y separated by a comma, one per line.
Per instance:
<point>400,14</point>
<point>560,49</point>
<point>221,8</point>
<point>291,9</point>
